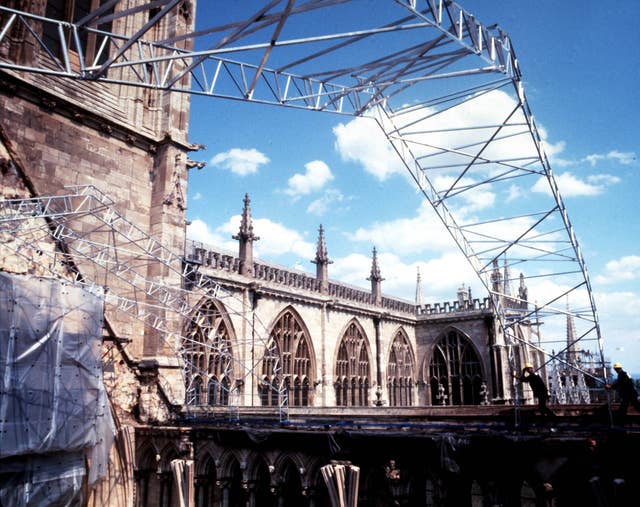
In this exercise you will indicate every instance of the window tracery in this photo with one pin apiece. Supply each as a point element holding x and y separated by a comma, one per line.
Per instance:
<point>287,367</point>
<point>400,372</point>
<point>208,356</point>
<point>352,374</point>
<point>455,372</point>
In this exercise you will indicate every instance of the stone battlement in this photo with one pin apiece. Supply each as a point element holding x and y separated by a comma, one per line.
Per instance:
<point>205,255</point>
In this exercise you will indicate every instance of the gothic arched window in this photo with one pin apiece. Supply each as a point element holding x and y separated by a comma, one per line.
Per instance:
<point>207,352</point>
<point>352,374</point>
<point>455,372</point>
<point>287,366</point>
<point>400,372</point>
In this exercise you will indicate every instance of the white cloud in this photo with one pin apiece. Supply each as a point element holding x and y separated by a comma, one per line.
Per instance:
<point>605,179</point>
<point>403,236</point>
<point>624,269</point>
<point>619,323</point>
<point>553,150</point>
<point>276,239</point>
<point>317,174</point>
<point>475,198</point>
<point>624,158</point>
<point>362,141</point>
<point>240,161</point>
<point>400,277</point>
<point>514,193</point>
<point>352,269</point>
<point>331,198</point>
<point>593,159</point>
<point>197,196</point>
<point>198,230</point>
<point>569,185</point>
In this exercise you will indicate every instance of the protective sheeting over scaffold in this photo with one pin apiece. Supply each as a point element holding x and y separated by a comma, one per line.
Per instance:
<point>56,428</point>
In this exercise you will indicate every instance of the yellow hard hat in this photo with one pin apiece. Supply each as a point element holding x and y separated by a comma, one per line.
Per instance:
<point>616,366</point>
<point>528,365</point>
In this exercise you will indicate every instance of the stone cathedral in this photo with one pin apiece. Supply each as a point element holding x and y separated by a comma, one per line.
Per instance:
<point>271,373</point>
<point>340,345</point>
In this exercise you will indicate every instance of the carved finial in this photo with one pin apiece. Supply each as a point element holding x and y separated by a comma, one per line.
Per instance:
<point>376,279</point>
<point>375,269</point>
<point>418,288</point>
<point>246,225</point>
<point>322,262</point>
<point>246,238</point>
<point>322,257</point>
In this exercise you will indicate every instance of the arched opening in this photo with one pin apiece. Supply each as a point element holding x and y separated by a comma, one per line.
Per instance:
<point>291,486</point>
<point>207,352</point>
<point>287,366</point>
<point>168,496</point>
<point>147,484</point>
<point>455,372</point>
<point>261,492</point>
<point>206,493</point>
<point>233,494</point>
<point>352,370</point>
<point>400,372</point>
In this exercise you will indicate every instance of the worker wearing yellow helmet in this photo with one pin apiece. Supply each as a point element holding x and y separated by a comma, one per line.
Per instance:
<point>626,390</point>
<point>538,387</point>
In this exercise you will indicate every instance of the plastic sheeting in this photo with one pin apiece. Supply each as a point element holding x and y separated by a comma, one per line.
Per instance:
<point>56,428</point>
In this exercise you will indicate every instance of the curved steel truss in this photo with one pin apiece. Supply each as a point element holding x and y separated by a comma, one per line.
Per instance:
<point>446,91</point>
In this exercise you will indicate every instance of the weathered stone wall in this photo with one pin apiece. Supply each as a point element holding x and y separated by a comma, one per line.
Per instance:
<point>128,142</point>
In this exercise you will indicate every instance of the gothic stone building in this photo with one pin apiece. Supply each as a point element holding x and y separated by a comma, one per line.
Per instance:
<point>277,373</point>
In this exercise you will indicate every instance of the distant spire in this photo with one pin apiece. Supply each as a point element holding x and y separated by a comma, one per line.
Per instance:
<point>376,279</point>
<point>506,282</point>
<point>246,238</point>
<point>523,292</point>
<point>572,348</point>
<point>496,277</point>
<point>322,262</point>
<point>418,289</point>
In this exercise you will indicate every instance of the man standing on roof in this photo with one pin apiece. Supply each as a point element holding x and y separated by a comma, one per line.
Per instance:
<point>626,390</point>
<point>538,387</point>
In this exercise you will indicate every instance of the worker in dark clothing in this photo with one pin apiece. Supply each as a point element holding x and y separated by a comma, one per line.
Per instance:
<point>626,390</point>
<point>538,387</point>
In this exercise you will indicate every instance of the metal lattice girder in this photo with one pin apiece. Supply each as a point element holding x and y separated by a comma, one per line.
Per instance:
<point>260,58</point>
<point>446,91</point>
<point>112,251</point>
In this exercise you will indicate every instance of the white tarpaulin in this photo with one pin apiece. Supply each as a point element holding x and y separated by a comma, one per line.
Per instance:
<point>54,411</point>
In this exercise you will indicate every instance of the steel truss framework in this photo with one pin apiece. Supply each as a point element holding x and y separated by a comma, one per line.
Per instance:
<point>109,252</point>
<point>445,90</point>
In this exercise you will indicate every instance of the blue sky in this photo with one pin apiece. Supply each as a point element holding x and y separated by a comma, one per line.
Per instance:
<point>581,72</point>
